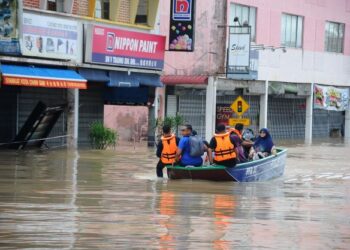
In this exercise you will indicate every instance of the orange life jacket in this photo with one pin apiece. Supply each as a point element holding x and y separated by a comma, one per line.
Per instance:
<point>233,130</point>
<point>169,149</point>
<point>224,150</point>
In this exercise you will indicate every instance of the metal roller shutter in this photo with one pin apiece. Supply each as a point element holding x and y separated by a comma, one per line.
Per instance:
<point>29,97</point>
<point>324,121</point>
<point>286,118</point>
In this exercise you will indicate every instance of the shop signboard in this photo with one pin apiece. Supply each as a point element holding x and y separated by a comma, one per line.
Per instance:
<point>9,42</point>
<point>331,98</point>
<point>181,32</point>
<point>223,114</point>
<point>50,37</point>
<point>119,47</point>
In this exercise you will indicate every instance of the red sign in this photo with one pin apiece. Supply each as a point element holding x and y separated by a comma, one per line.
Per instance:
<point>126,48</point>
<point>223,114</point>
<point>40,82</point>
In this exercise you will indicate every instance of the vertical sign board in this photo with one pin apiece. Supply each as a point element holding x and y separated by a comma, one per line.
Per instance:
<point>223,114</point>
<point>50,37</point>
<point>181,32</point>
<point>9,42</point>
<point>106,45</point>
<point>238,52</point>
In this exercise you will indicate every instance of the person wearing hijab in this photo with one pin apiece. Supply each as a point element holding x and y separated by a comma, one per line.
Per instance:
<point>263,145</point>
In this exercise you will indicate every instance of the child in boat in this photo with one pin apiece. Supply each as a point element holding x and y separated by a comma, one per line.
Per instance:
<point>166,149</point>
<point>263,146</point>
<point>224,148</point>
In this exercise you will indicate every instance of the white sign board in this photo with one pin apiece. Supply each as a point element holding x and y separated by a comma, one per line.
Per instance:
<point>238,51</point>
<point>50,37</point>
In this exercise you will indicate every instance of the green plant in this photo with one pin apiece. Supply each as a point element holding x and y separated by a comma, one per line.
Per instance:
<point>173,121</point>
<point>102,137</point>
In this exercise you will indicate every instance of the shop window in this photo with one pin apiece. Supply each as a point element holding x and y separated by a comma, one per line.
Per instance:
<point>292,31</point>
<point>246,15</point>
<point>142,12</point>
<point>102,8</point>
<point>334,37</point>
<point>55,5</point>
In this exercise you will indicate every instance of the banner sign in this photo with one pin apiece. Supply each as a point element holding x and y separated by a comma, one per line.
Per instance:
<point>42,82</point>
<point>331,98</point>
<point>223,114</point>
<point>49,37</point>
<point>9,43</point>
<point>125,48</point>
<point>181,32</point>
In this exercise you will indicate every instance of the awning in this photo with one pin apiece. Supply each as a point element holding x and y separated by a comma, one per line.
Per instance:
<point>94,75</point>
<point>174,79</point>
<point>27,76</point>
<point>133,80</point>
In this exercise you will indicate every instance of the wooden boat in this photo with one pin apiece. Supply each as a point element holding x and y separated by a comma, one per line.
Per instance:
<point>260,170</point>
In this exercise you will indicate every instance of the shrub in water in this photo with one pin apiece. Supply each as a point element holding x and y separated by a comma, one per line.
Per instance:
<point>102,137</point>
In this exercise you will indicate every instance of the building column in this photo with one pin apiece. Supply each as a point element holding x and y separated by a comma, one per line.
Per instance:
<point>210,109</point>
<point>347,126</point>
<point>264,106</point>
<point>73,118</point>
<point>309,116</point>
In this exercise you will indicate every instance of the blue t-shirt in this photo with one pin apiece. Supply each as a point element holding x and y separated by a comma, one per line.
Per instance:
<point>186,158</point>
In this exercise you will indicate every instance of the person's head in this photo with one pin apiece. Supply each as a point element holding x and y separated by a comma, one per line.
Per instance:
<point>186,130</point>
<point>194,132</point>
<point>264,132</point>
<point>221,129</point>
<point>239,127</point>
<point>166,130</point>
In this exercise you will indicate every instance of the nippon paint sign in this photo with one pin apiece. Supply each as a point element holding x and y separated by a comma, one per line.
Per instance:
<point>182,10</point>
<point>239,50</point>
<point>124,48</point>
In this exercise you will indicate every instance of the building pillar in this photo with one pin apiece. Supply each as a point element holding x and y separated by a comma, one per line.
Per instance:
<point>264,106</point>
<point>347,126</point>
<point>210,109</point>
<point>73,118</point>
<point>309,116</point>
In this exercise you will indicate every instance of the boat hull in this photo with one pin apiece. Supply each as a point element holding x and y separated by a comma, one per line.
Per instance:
<point>261,170</point>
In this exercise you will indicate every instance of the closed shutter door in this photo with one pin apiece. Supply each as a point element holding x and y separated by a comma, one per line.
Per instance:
<point>324,121</point>
<point>253,111</point>
<point>192,108</point>
<point>28,99</point>
<point>91,105</point>
<point>286,118</point>
<point>171,105</point>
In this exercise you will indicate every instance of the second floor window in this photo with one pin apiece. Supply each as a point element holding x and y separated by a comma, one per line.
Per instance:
<point>334,37</point>
<point>246,15</point>
<point>142,12</point>
<point>55,5</point>
<point>102,9</point>
<point>292,31</point>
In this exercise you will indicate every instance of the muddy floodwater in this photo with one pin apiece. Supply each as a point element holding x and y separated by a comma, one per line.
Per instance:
<point>112,200</point>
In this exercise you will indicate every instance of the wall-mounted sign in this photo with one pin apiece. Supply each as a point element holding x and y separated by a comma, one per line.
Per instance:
<point>238,51</point>
<point>331,98</point>
<point>223,114</point>
<point>124,48</point>
<point>181,33</point>
<point>234,121</point>
<point>239,106</point>
<point>9,43</point>
<point>49,37</point>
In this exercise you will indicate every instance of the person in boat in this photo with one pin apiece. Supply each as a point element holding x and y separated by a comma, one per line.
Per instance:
<point>224,147</point>
<point>190,149</point>
<point>241,144</point>
<point>166,149</point>
<point>263,146</point>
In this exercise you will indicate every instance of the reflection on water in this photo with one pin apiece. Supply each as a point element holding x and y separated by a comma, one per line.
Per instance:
<point>108,200</point>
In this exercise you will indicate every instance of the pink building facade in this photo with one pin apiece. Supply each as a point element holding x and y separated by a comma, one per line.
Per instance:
<point>294,44</point>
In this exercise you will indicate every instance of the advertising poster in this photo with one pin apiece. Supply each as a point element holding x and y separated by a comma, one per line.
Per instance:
<point>49,37</point>
<point>223,114</point>
<point>125,48</point>
<point>181,33</point>
<point>331,98</point>
<point>9,43</point>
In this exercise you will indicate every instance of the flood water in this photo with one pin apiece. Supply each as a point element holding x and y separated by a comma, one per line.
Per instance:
<point>112,200</point>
